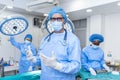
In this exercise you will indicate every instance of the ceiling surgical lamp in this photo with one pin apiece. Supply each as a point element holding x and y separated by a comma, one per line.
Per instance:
<point>13,25</point>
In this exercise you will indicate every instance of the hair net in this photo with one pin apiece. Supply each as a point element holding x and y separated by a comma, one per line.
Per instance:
<point>28,36</point>
<point>59,10</point>
<point>94,37</point>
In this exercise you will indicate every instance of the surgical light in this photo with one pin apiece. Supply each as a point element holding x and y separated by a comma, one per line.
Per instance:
<point>118,3</point>
<point>13,25</point>
<point>41,3</point>
<point>89,10</point>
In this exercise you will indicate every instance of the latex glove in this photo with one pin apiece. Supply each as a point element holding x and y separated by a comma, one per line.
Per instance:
<point>32,59</point>
<point>29,55</point>
<point>29,52</point>
<point>106,67</point>
<point>51,61</point>
<point>92,71</point>
<point>30,68</point>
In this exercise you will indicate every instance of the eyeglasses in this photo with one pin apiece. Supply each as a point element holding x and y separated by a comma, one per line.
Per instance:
<point>58,19</point>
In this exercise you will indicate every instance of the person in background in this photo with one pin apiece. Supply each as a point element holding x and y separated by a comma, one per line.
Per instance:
<point>27,50</point>
<point>59,54</point>
<point>93,56</point>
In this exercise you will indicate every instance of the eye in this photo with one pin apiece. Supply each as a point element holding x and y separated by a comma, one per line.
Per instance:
<point>58,19</point>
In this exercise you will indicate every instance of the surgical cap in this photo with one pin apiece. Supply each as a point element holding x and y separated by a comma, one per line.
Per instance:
<point>94,37</point>
<point>58,10</point>
<point>28,36</point>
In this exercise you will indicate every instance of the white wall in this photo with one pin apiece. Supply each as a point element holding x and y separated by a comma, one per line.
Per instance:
<point>7,50</point>
<point>94,25</point>
<point>112,38</point>
<point>109,26</point>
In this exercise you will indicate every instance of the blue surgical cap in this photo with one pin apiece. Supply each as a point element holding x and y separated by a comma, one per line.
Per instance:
<point>94,37</point>
<point>58,10</point>
<point>28,36</point>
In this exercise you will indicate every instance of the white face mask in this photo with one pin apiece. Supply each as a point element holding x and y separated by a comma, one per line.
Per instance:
<point>57,26</point>
<point>95,46</point>
<point>27,42</point>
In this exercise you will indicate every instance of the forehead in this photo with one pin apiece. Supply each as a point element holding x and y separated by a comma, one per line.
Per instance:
<point>57,15</point>
<point>27,38</point>
<point>97,41</point>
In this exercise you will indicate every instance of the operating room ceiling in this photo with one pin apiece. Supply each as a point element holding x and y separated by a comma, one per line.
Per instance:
<point>76,9</point>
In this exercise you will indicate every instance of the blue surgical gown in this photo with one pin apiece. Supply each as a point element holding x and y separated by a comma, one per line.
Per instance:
<point>24,64</point>
<point>92,58</point>
<point>68,55</point>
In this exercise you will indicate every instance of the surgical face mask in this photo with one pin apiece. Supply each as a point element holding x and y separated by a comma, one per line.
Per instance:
<point>95,46</point>
<point>57,25</point>
<point>27,42</point>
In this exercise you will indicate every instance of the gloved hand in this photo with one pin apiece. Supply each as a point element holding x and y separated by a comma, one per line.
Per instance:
<point>106,67</point>
<point>32,59</point>
<point>51,61</point>
<point>92,71</point>
<point>30,68</point>
<point>29,52</point>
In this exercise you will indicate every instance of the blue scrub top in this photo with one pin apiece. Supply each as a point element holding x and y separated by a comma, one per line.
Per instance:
<point>24,64</point>
<point>92,58</point>
<point>68,55</point>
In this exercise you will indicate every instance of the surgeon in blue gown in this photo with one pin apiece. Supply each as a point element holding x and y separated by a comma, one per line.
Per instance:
<point>27,49</point>
<point>60,59</point>
<point>93,56</point>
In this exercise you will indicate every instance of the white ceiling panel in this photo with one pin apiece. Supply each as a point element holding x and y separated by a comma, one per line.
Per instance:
<point>75,8</point>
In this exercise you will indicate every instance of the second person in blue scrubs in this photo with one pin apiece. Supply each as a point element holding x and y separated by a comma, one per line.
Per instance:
<point>93,56</point>
<point>26,48</point>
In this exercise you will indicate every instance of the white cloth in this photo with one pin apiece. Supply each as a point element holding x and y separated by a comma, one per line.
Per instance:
<point>51,62</point>
<point>92,71</point>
